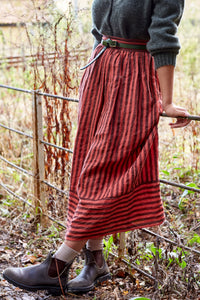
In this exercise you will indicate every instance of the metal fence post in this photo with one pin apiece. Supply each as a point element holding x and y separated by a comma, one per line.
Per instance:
<point>38,159</point>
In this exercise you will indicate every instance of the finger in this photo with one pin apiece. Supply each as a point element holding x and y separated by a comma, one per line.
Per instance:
<point>180,124</point>
<point>180,121</point>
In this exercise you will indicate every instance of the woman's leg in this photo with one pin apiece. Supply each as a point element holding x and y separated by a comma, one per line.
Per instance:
<point>94,271</point>
<point>96,247</point>
<point>69,250</point>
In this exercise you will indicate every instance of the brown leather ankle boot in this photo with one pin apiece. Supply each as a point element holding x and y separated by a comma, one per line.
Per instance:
<point>98,257</point>
<point>94,271</point>
<point>51,275</point>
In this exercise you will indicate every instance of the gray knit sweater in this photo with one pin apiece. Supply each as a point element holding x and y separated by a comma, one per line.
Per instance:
<point>152,20</point>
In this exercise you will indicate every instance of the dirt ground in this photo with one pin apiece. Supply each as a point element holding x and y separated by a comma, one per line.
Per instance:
<point>13,253</point>
<point>177,272</point>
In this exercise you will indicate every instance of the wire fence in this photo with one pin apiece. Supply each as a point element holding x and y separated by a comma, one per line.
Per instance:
<point>8,62</point>
<point>41,141</point>
<point>38,170</point>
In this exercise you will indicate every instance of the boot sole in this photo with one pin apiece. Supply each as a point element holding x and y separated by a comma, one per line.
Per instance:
<point>55,291</point>
<point>86,289</point>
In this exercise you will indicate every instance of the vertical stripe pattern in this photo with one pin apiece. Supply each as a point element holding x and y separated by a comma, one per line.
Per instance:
<point>114,181</point>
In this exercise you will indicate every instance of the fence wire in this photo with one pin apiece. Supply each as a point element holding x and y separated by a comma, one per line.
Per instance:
<point>16,167</point>
<point>132,265</point>
<point>191,117</point>
<point>55,146</point>
<point>182,186</point>
<point>16,131</point>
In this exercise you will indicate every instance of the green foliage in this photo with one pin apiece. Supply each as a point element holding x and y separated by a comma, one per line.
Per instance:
<point>78,271</point>
<point>165,172</point>
<point>156,251</point>
<point>4,212</point>
<point>183,202</point>
<point>177,256</point>
<point>151,252</point>
<point>137,262</point>
<point>52,232</point>
<point>108,246</point>
<point>194,239</point>
<point>8,201</point>
<point>140,298</point>
<point>16,176</point>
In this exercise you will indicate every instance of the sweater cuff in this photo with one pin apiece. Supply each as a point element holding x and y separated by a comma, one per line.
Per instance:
<point>164,59</point>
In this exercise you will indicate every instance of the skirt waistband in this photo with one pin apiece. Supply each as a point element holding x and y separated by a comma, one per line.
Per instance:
<point>115,42</point>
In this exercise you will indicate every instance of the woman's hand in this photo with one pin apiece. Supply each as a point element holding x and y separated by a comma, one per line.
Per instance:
<point>176,111</point>
<point>166,78</point>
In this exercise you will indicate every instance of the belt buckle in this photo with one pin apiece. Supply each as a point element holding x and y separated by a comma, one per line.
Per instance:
<point>113,44</point>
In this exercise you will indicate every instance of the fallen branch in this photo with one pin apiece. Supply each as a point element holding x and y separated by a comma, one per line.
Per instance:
<point>134,267</point>
<point>171,242</point>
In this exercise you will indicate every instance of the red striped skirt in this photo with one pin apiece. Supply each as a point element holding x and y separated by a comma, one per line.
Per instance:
<point>115,179</point>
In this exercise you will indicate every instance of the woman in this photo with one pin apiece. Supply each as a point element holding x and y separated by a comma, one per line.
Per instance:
<point>115,180</point>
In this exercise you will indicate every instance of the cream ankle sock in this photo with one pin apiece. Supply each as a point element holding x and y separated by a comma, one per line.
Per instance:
<point>94,245</point>
<point>65,253</point>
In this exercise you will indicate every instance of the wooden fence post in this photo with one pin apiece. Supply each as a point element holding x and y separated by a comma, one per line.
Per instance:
<point>38,159</point>
<point>122,244</point>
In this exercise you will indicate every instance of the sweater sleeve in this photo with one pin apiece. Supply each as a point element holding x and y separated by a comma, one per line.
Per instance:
<point>164,44</point>
<point>97,37</point>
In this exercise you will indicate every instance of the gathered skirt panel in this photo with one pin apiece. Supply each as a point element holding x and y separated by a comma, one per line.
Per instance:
<point>115,180</point>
